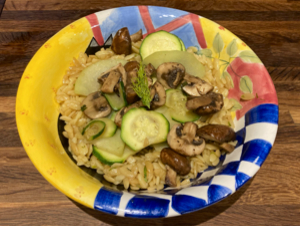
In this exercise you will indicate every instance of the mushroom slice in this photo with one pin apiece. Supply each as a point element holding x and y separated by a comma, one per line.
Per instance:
<point>177,162</point>
<point>111,81</point>
<point>196,86</point>
<point>206,104</point>
<point>137,36</point>
<point>170,74</point>
<point>216,133</point>
<point>121,113</point>
<point>170,177</point>
<point>227,147</point>
<point>96,106</point>
<point>102,78</point>
<point>158,96</point>
<point>150,70</point>
<point>131,68</point>
<point>121,43</point>
<point>123,74</point>
<point>183,139</point>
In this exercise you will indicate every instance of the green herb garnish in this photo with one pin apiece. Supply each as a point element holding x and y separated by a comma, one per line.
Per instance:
<point>140,86</point>
<point>83,108</point>
<point>145,174</point>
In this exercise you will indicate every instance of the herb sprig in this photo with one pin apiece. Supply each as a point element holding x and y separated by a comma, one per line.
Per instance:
<point>140,86</point>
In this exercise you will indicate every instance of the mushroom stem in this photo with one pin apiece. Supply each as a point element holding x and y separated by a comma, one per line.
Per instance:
<point>170,177</point>
<point>137,36</point>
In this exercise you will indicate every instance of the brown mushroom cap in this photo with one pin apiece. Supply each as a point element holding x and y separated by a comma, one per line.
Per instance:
<point>158,95</point>
<point>216,133</point>
<point>170,74</point>
<point>206,104</point>
<point>177,162</point>
<point>121,43</point>
<point>170,177</point>
<point>96,106</point>
<point>137,36</point>
<point>183,139</point>
<point>196,86</point>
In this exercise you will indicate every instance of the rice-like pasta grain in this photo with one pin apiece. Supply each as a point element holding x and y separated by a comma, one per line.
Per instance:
<point>126,183</point>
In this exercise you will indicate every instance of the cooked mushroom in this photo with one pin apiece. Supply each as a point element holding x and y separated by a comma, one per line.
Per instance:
<point>121,113</point>
<point>150,70</point>
<point>196,86</point>
<point>177,162</point>
<point>137,36</point>
<point>158,96</point>
<point>206,104</point>
<point>170,177</point>
<point>170,74</point>
<point>216,133</point>
<point>95,106</point>
<point>103,76</point>
<point>111,81</point>
<point>123,74</point>
<point>121,43</point>
<point>183,139</point>
<point>227,147</point>
<point>131,68</point>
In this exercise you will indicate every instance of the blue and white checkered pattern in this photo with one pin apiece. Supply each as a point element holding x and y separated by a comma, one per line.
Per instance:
<point>256,132</point>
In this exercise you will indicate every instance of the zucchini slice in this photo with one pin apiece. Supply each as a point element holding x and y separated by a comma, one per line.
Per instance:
<point>113,145</point>
<point>176,102</point>
<point>159,41</point>
<point>141,128</point>
<point>94,129</point>
<point>117,101</point>
<point>109,158</point>
<point>182,45</point>
<point>110,128</point>
<point>166,112</point>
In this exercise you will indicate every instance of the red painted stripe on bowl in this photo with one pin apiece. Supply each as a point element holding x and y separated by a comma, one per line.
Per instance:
<point>146,19</point>
<point>176,23</point>
<point>198,30</point>
<point>93,20</point>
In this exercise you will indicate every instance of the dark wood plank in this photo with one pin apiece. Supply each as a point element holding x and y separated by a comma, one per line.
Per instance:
<point>8,121</point>
<point>10,138</point>
<point>8,88</point>
<point>30,15</point>
<point>284,73</point>
<point>285,118</point>
<point>37,25</point>
<point>12,68</point>
<point>189,5</point>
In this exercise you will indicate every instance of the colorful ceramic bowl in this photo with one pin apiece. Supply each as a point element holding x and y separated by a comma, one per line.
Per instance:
<point>37,112</point>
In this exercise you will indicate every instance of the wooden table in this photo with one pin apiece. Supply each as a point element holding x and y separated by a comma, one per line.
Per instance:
<point>270,27</point>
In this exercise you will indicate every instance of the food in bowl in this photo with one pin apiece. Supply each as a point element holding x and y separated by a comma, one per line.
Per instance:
<point>146,113</point>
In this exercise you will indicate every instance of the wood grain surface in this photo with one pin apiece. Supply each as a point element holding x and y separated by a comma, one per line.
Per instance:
<point>270,27</point>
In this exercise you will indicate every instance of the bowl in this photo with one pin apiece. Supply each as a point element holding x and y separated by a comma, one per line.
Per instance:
<point>38,125</point>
